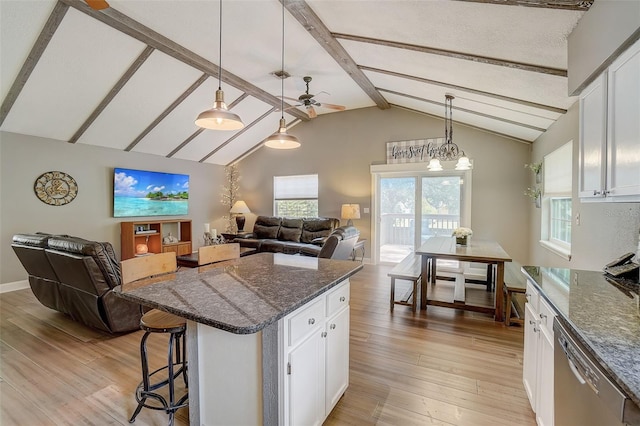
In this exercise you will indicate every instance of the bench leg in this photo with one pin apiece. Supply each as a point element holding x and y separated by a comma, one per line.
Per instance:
<point>414,302</point>
<point>393,293</point>
<point>507,315</point>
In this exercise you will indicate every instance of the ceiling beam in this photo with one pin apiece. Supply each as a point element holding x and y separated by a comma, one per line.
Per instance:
<point>582,5</point>
<point>146,35</point>
<point>112,93</point>
<point>34,56</point>
<point>480,114</point>
<point>466,89</point>
<point>253,123</point>
<point>319,31</point>
<point>456,55</point>
<point>482,129</point>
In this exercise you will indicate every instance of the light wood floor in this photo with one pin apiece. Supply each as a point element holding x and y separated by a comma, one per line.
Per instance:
<point>438,367</point>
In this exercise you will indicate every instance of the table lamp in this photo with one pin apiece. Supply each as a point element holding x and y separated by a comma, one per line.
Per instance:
<point>350,211</point>
<point>239,208</point>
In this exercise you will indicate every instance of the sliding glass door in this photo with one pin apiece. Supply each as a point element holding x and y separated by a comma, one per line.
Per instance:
<point>416,206</point>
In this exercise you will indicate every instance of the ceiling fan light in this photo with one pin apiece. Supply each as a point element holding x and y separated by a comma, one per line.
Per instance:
<point>219,117</point>
<point>281,139</point>
<point>434,165</point>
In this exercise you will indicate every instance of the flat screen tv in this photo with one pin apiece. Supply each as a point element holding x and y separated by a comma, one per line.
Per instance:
<point>146,193</point>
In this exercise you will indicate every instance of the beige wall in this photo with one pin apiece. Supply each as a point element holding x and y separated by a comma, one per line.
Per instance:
<point>606,230</point>
<point>340,148</point>
<point>90,215</point>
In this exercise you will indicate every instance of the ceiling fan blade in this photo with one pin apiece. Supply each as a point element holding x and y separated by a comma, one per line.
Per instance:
<point>311,112</point>
<point>332,106</point>
<point>291,99</point>
<point>97,4</point>
<point>291,107</point>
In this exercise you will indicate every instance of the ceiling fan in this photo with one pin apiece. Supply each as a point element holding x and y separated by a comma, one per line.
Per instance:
<point>307,100</point>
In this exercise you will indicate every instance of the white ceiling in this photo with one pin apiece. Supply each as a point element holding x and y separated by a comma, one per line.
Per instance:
<point>504,63</point>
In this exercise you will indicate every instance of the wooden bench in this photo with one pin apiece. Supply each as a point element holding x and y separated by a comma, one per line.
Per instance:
<point>409,269</point>
<point>515,286</point>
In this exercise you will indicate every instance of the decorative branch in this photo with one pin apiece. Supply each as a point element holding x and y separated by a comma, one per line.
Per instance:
<point>230,193</point>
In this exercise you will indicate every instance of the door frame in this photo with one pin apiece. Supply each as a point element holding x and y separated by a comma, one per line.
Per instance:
<point>418,171</point>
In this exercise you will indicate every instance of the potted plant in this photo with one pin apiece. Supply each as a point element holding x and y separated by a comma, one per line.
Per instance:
<point>535,195</point>
<point>536,168</point>
<point>462,235</point>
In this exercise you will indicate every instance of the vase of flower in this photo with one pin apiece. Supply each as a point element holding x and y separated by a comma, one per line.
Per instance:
<point>462,235</point>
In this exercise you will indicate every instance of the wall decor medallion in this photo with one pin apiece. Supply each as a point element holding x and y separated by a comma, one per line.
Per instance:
<point>55,188</point>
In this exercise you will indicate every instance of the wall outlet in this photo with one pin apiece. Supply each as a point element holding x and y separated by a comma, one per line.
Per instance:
<point>578,219</point>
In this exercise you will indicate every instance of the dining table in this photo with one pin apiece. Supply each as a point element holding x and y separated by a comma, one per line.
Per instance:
<point>477,251</point>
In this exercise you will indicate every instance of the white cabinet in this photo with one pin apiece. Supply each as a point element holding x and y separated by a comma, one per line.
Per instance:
<point>315,352</point>
<point>609,149</point>
<point>537,369</point>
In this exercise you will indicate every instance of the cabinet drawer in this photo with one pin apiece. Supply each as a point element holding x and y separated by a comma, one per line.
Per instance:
<point>546,316</point>
<point>308,319</point>
<point>533,297</point>
<point>338,298</point>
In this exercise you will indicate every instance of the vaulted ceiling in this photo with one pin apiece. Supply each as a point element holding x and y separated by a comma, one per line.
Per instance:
<point>135,75</point>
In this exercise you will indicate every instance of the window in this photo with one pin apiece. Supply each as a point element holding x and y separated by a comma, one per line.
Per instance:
<point>295,196</point>
<point>556,201</point>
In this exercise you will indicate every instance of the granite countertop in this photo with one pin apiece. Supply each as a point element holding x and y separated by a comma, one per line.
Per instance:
<point>241,296</point>
<point>605,316</point>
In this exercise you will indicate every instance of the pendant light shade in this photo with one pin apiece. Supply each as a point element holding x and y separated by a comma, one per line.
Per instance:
<point>434,165</point>
<point>280,139</point>
<point>219,117</point>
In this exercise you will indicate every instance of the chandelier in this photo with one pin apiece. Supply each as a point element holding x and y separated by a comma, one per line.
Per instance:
<point>448,151</point>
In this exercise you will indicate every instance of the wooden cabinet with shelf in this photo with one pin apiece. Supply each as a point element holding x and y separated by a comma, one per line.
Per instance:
<point>153,233</point>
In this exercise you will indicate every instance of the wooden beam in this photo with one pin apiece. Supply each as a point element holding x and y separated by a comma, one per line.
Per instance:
<point>167,111</point>
<point>456,55</point>
<point>582,5</point>
<point>480,114</point>
<point>466,89</point>
<point>481,129</point>
<point>146,35</point>
<point>312,23</point>
<point>112,93</point>
<point>50,27</point>
<point>253,123</point>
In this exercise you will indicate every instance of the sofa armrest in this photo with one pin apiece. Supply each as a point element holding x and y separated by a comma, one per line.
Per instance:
<point>319,241</point>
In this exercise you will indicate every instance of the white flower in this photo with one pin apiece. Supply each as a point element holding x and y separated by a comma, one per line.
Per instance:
<point>462,232</point>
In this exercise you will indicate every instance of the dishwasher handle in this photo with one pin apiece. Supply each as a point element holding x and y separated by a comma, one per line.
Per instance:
<point>575,371</point>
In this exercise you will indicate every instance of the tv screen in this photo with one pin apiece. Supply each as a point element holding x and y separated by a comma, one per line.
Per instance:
<point>145,193</point>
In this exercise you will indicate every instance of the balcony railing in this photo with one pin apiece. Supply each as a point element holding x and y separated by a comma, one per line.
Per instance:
<point>399,229</point>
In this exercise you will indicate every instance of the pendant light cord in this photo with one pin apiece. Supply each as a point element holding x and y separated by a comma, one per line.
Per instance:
<point>282,79</point>
<point>220,51</point>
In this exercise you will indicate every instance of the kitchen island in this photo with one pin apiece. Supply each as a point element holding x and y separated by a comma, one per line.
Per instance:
<point>603,314</point>
<point>247,321</point>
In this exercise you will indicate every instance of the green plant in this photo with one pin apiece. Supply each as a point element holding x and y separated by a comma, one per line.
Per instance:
<point>534,167</point>
<point>533,193</point>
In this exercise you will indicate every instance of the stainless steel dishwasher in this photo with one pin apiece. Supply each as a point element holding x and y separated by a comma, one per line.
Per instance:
<point>583,395</point>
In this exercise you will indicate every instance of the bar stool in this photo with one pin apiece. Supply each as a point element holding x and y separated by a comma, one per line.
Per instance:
<point>156,321</point>
<point>138,270</point>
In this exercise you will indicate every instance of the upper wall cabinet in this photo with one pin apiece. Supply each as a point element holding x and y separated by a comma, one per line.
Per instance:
<point>609,151</point>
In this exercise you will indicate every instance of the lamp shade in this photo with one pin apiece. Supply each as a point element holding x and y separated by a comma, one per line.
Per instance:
<point>240,207</point>
<point>350,211</point>
<point>218,117</point>
<point>434,165</point>
<point>281,139</point>
<point>463,163</point>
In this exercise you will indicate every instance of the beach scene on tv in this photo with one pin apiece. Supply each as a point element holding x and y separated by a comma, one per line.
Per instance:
<point>146,193</point>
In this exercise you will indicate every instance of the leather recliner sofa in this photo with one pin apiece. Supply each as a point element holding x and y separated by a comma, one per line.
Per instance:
<point>306,236</point>
<point>76,277</point>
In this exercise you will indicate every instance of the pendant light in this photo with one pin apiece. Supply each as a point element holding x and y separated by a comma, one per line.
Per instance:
<point>218,117</point>
<point>280,139</point>
<point>448,151</point>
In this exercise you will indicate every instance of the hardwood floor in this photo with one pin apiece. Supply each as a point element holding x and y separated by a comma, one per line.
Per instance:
<point>442,367</point>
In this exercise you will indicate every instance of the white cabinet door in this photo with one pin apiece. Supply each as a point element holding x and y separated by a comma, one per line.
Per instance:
<point>306,381</point>
<point>544,413</point>
<point>337,356</point>
<point>623,126</point>
<point>593,138</point>
<point>530,359</point>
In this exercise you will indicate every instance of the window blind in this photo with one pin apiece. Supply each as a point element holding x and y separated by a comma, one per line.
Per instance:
<point>295,187</point>
<point>557,169</point>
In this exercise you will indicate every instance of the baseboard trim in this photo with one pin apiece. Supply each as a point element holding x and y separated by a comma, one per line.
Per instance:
<point>16,285</point>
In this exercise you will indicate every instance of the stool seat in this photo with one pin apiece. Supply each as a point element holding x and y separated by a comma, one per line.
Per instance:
<point>159,321</point>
